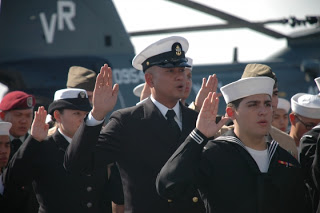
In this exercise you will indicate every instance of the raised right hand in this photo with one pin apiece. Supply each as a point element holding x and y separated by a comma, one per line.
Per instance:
<point>207,86</point>
<point>39,128</point>
<point>104,94</point>
<point>206,122</point>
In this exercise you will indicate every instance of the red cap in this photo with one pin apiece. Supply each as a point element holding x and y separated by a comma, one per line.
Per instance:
<point>17,100</point>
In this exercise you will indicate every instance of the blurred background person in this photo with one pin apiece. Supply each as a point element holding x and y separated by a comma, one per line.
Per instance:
<point>83,78</point>
<point>281,115</point>
<point>305,114</point>
<point>188,71</point>
<point>17,108</point>
<point>309,143</point>
<point>4,158</point>
<point>40,160</point>
<point>142,91</point>
<point>3,90</point>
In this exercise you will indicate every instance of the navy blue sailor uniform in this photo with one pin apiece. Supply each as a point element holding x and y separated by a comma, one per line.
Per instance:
<point>229,179</point>
<point>57,190</point>
<point>308,157</point>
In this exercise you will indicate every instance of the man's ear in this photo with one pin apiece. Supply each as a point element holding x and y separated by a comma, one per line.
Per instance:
<point>2,114</point>
<point>230,112</point>
<point>56,115</point>
<point>149,79</point>
<point>292,118</point>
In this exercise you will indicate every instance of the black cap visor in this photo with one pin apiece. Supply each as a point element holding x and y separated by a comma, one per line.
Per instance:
<point>81,104</point>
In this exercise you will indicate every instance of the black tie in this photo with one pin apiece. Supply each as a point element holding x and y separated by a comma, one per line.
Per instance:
<point>172,123</point>
<point>16,143</point>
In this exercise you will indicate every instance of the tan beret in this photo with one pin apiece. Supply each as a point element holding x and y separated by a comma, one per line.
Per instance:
<point>80,77</point>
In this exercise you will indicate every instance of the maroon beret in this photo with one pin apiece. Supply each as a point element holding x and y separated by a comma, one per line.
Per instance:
<point>17,100</point>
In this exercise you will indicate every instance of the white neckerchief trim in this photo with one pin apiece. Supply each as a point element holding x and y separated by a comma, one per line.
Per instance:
<point>163,109</point>
<point>271,148</point>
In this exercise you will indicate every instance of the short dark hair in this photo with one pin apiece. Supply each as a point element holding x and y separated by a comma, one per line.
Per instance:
<point>235,103</point>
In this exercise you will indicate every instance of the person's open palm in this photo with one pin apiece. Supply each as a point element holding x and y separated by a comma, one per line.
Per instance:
<point>39,128</point>
<point>207,86</point>
<point>206,122</point>
<point>104,94</point>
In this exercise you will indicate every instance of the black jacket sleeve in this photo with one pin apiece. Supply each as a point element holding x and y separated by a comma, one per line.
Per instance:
<point>181,171</point>
<point>79,153</point>
<point>92,147</point>
<point>23,165</point>
<point>316,165</point>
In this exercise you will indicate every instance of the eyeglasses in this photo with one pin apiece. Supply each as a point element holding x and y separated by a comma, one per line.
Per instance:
<point>307,126</point>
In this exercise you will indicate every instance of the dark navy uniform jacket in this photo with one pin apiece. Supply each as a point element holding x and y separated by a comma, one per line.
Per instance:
<point>56,189</point>
<point>25,200</point>
<point>228,178</point>
<point>138,139</point>
<point>310,165</point>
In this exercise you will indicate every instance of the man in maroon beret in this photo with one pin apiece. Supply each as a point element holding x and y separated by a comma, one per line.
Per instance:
<point>17,108</point>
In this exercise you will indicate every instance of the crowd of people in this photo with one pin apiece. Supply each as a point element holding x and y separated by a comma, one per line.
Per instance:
<point>163,154</point>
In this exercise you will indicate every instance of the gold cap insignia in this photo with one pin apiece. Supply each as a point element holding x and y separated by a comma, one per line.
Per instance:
<point>178,50</point>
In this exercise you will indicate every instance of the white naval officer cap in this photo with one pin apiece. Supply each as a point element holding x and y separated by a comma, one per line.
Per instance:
<point>283,104</point>
<point>317,80</point>
<point>138,89</point>
<point>168,52</point>
<point>70,98</point>
<point>5,127</point>
<point>247,86</point>
<point>306,105</point>
<point>190,62</point>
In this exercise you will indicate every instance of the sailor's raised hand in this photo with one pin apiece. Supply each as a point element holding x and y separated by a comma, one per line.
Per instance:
<point>105,93</point>
<point>39,128</point>
<point>206,122</point>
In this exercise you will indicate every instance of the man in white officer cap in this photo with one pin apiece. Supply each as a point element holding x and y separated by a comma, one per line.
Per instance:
<point>309,160</point>
<point>141,138</point>
<point>238,171</point>
<point>143,90</point>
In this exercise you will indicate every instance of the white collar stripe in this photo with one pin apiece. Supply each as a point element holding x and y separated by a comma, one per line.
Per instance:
<point>271,149</point>
<point>231,139</point>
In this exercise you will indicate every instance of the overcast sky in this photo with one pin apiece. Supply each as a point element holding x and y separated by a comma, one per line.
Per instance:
<point>216,46</point>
